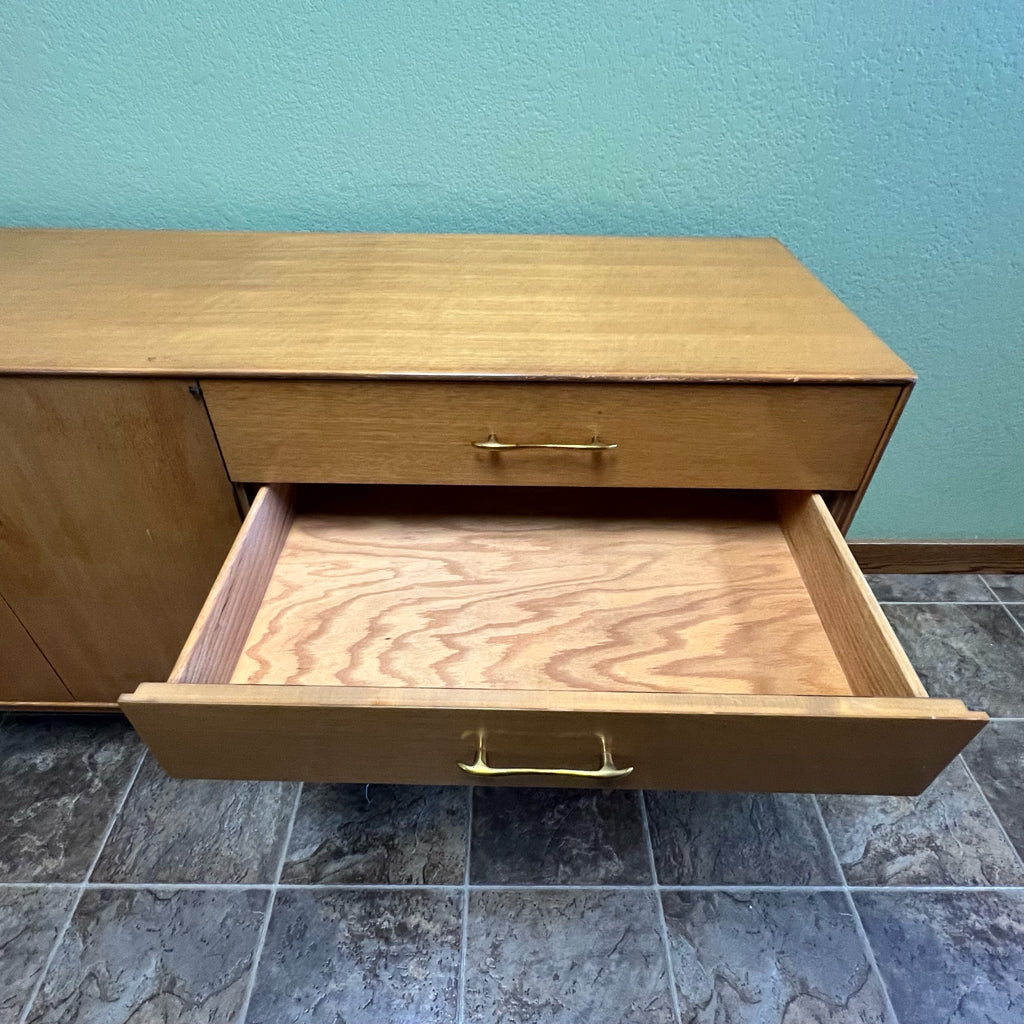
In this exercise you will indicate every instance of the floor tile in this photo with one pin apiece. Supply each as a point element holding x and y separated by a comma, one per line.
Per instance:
<point>63,776</point>
<point>739,839</point>
<point>189,830</point>
<point>996,759</point>
<point>140,955</point>
<point>946,836</point>
<point>360,956</point>
<point>1017,614</point>
<point>576,956</point>
<point>766,957</point>
<point>399,835</point>
<point>974,652</point>
<point>1008,587</point>
<point>929,587</point>
<point>950,957</point>
<point>30,919</point>
<point>558,837</point>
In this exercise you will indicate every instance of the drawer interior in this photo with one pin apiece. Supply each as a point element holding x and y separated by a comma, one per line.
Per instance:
<point>702,600</point>
<point>633,591</point>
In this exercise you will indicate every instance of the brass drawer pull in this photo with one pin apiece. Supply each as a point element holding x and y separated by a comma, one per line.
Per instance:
<point>492,444</point>
<point>480,767</point>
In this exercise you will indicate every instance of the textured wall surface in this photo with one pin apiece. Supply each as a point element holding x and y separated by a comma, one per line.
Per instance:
<point>882,141</point>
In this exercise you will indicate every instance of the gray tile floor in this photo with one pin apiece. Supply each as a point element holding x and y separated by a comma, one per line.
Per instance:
<point>128,896</point>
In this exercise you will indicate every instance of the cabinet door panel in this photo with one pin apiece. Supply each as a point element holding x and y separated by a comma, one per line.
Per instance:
<point>24,673</point>
<point>115,514</point>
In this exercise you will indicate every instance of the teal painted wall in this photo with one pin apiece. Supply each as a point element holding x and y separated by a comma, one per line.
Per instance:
<point>882,141</point>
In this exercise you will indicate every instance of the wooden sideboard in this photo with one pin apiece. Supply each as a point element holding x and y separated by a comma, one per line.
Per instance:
<point>538,510</point>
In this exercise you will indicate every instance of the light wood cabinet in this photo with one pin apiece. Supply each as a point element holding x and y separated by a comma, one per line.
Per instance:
<point>25,674</point>
<point>115,513</point>
<point>543,511</point>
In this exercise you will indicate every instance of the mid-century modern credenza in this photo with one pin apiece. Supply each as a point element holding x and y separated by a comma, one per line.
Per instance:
<point>453,508</point>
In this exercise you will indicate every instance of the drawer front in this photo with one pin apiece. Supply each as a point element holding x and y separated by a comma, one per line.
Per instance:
<point>697,742</point>
<point>799,437</point>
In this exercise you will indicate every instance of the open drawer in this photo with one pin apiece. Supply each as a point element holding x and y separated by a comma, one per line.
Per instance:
<point>683,640</point>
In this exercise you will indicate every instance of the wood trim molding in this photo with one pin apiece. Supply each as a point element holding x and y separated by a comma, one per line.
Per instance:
<point>912,556</point>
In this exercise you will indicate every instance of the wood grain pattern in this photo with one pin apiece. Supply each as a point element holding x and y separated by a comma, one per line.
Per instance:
<point>674,741</point>
<point>115,512</point>
<point>219,633</point>
<point>694,605</point>
<point>728,436</point>
<point>558,307</point>
<point>939,555</point>
<point>864,642</point>
<point>25,675</point>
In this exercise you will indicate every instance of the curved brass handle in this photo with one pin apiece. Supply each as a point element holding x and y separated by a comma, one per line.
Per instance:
<point>480,767</point>
<point>492,444</point>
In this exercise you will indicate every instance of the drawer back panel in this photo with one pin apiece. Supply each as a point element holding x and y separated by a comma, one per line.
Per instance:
<point>799,437</point>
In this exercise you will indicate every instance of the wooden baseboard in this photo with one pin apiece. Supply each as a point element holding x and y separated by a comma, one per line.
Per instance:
<point>939,555</point>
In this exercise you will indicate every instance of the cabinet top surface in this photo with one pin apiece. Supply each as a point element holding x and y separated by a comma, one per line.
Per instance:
<point>457,306</point>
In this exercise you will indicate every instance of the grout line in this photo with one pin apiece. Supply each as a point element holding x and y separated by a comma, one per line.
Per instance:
<point>842,888</point>
<point>288,836</point>
<point>380,887</point>
<point>1020,625</point>
<point>40,885</point>
<point>113,818</point>
<point>1003,604</point>
<point>369,887</point>
<point>662,925</point>
<point>185,886</point>
<point>837,863</point>
<point>870,953</point>
<point>1013,618</point>
<point>973,604</point>
<point>261,939</point>
<point>59,939</point>
<point>57,942</point>
<point>458,887</point>
<point>988,587</point>
<point>460,1012</point>
<point>999,823</point>
<point>858,924</point>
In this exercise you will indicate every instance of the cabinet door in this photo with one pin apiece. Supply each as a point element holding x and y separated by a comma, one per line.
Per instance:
<point>25,675</point>
<point>115,514</point>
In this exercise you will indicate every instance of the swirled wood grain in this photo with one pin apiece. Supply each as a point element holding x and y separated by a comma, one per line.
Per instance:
<point>695,605</point>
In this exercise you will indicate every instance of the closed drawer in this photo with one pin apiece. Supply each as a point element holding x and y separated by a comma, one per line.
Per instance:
<point>780,437</point>
<point>449,635</point>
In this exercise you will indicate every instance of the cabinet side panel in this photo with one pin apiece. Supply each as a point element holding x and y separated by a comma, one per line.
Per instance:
<point>115,515</point>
